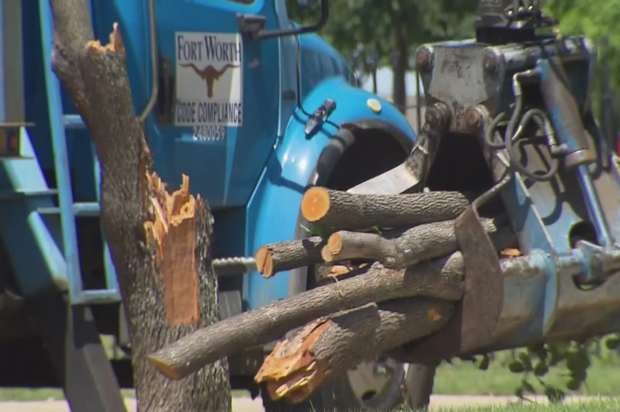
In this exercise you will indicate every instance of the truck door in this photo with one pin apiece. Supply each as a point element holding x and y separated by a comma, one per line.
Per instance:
<point>226,97</point>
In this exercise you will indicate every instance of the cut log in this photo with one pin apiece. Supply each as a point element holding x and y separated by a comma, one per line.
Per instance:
<point>293,357</point>
<point>327,347</point>
<point>279,257</point>
<point>420,243</point>
<point>348,211</point>
<point>440,279</point>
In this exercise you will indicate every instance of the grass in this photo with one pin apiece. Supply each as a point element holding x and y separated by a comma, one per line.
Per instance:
<point>589,406</point>
<point>593,405</point>
<point>23,394</point>
<point>460,378</point>
<point>465,379</point>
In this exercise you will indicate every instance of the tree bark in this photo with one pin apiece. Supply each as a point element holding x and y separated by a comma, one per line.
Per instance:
<point>160,243</point>
<point>440,279</point>
<point>329,346</point>
<point>419,243</point>
<point>279,257</point>
<point>348,211</point>
<point>293,358</point>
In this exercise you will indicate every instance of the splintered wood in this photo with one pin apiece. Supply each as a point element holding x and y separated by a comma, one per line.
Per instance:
<point>291,370</point>
<point>115,42</point>
<point>171,233</point>
<point>325,348</point>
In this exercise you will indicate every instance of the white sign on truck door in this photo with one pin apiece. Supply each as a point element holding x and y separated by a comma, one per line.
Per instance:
<point>209,82</point>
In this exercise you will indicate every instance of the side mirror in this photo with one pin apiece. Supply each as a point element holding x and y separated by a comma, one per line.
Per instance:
<point>306,4</point>
<point>254,25</point>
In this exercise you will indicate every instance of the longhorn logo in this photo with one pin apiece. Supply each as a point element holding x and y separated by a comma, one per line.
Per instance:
<point>210,74</point>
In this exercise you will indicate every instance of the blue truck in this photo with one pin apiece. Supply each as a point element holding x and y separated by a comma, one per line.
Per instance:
<point>251,106</point>
<point>255,109</point>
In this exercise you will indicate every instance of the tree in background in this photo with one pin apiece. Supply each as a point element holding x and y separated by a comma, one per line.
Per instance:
<point>598,21</point>
<point>392,29</point>
<point>594,19</point>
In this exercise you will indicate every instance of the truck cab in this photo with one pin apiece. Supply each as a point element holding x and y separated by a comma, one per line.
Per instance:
<point>251,106</point>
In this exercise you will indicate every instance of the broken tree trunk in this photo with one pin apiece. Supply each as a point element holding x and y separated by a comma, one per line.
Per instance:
<point>348,211</point>
<point>279,257</point>
<point>419,243</point>
<point>440,279</point>
<point>331,345</point>
<point>160,243</point>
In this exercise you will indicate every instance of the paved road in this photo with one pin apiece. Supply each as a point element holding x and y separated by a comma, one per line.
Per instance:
<point>248,405</point>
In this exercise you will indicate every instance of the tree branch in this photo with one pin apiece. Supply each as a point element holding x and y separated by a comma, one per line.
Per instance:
<point>282,256</point>
<point>348,211</point>
<point>419,243</point>
<point>440,279</point>
<point>72,31</point>
<point>332,345</point>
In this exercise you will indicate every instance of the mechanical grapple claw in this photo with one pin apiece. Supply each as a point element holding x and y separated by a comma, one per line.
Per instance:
<point>521,100</point>
<point>508,115</point>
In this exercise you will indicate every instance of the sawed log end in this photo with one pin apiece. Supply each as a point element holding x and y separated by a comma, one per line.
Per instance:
<point>315,204</point>
<point>264,261</point>
<point>333,247</point>
<point>115,45</point>
<point>164,368</point>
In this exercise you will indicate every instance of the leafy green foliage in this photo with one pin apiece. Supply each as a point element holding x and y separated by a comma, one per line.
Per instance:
<point>612,343</point>
<point>594,19</point>
<point>319,230</point>
<point>367,25</point>
<point>373,25</point>
<point>484,363</point>
<point>325,231</point>
<point>534,364</point>
<point>369,22</point>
